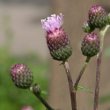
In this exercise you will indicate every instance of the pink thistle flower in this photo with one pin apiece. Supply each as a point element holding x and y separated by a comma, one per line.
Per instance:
<point>52,23</point>
<point>57,40</point>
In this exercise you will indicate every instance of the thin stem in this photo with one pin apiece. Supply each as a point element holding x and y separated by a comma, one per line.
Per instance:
<point>81,73</point>
<point>37,92</point>
<point>96,95</point>
<point>98,68</point>
<point>44,102</point>
<point>71,89</point>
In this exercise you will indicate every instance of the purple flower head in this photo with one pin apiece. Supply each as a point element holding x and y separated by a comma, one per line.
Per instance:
<point>52,23</point>
<point>57,39</point>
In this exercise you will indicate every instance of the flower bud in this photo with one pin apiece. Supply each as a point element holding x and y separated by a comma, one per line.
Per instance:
<point>108,19</point>
<point>21,76</point>
<point>90,45</point>
<point>98,16</point>
<point>87,27</point>
<point>57,40</point>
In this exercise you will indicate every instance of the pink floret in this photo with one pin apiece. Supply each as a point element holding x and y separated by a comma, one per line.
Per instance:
<point>52,23</point>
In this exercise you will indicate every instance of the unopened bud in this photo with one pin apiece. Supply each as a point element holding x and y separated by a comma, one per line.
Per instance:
<point>90,45</point>
<point>97,16</point>
<point>21,76</point>
<point>87,27</point>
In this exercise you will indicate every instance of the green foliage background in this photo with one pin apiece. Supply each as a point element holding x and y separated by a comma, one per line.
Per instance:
<point>11,97</point>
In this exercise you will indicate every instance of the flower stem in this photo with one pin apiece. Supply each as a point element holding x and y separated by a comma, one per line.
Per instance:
<point>37,92</point>
<point>98,68</point>
<point>96,95</point>
<point>81,73</point>
<point>71,89</point>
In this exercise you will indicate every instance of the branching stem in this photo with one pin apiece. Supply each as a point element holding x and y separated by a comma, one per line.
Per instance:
<point>81,73</point>
<point>98,68</point>
<point>37,92</point>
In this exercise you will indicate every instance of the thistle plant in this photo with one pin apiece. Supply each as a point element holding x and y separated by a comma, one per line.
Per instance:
<point>60,49</point>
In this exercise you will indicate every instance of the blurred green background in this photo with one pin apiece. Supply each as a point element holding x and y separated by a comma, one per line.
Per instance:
<point>11,97</point>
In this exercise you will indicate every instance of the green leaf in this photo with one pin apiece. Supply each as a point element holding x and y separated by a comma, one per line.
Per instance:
<point>85,89</point>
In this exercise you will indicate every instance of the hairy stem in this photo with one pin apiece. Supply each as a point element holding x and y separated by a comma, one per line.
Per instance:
<point>98,68</point>
<point>37,92</point>
<point>71,89</point>
<point>81,73</point>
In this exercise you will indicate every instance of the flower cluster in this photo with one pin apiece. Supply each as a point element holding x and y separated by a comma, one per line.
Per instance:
<point>97,18</point>
<point>57,39</point>
<point>60,49</point>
